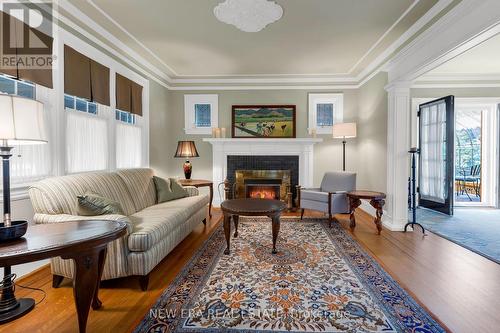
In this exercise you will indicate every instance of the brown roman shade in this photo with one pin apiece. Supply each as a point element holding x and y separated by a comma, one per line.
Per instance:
<point>84,77</point>
<point>128,95</point>
<point>30,51</point>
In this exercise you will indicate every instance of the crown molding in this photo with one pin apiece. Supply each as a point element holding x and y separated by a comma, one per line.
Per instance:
<point>126,54</point>
<point>444,77</point>
<point>238,82</point>
<point>468,24</point>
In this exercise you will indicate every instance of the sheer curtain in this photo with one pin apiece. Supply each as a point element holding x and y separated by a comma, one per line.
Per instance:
<point>128,146</point>
<point>433,153</point>
<point>33,162</point>
<point>86,141</point>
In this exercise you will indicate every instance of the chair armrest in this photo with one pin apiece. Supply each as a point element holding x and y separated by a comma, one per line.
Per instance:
<point>61,218</point>
<point>192,191</point>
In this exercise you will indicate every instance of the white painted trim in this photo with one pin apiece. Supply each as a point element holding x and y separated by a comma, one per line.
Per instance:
<point>412,5</point>
<point>433,77</point>
<point>290,87</point>
<point>386,220</point>
<point>153,71</point>
<point>259,79</point>
<point>302,147</point>
<point>432,85</point>
<point>170,69</point>
<point>468,24</point>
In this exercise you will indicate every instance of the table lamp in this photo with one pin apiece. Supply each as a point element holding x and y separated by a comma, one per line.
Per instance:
<point>22,122</point>
<point>186,149</point>
<point>344,131</point>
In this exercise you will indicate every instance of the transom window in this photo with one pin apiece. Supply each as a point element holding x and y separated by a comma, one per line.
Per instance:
<point>125,117</point>
<point>16,87</point>
<point>79,104</point>
<point>324,111</point>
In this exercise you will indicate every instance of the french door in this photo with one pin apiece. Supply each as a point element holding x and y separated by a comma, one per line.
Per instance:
<point>437,144</point>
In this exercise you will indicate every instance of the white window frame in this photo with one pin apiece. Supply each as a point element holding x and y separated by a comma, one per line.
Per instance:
<point>325,98</point>
<point>190,100</point>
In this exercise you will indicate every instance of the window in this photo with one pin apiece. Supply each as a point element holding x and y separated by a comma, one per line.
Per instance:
<point>28,162</point>
<point>200,113</point>
<point>324,111</point>
<point>128,146</point>
<point>86,142</point>
<point>16,87</point>
<point>79,104</point>
<point>125,117</point>
<point>86,135</point>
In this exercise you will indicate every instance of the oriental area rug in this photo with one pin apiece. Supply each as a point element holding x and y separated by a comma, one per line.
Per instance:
<point>320,280</point>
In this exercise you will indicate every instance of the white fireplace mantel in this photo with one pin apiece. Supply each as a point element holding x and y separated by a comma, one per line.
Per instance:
<point>301,147</point>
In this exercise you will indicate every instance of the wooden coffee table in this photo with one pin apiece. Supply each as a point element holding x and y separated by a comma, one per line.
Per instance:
<point>85,242</point>
<point>201,183</point>
<point>377,200</point>
<point>251,207</point>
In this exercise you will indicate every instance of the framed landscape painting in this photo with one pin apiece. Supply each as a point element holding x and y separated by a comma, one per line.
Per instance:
<point>263,121</point>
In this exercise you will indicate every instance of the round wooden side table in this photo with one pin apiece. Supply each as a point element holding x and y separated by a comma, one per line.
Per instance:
<point>251,207</point>
<point>377,200</point>
<point>83,241</point>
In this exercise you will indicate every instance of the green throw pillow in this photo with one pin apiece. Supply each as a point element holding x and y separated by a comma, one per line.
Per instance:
<point>92,204</point>
<point>167,190</point>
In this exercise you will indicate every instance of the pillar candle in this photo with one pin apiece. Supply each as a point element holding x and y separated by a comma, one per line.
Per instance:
<point>217,132</point>
<point>214,130</point>
<point>223,132</point>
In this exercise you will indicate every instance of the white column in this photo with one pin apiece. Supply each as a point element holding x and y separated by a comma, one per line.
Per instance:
<point>398,144</point>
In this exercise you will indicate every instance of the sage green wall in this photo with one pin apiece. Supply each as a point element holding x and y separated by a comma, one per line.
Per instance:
<point>371,150</point>
<point>160,140</point>
<point>366,154</point>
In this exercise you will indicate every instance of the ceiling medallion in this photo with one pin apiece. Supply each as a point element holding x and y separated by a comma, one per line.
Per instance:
<point>248,15</point>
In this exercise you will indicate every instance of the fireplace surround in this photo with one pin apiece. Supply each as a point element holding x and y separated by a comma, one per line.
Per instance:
<point>223,149</point>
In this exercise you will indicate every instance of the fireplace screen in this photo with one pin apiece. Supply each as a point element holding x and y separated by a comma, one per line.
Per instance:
<point>263,184</point>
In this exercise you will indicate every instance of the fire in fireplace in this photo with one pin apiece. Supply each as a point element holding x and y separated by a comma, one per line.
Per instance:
<point>263,191</point>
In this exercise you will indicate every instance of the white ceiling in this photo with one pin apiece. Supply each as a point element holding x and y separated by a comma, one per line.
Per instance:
<point>313,38</point>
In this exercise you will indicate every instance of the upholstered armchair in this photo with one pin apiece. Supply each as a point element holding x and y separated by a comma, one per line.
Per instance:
<point>331,198</point>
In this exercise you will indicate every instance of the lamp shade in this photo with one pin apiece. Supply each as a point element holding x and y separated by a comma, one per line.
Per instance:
<point>186,149</point>
<point>22,120</point>
<point>344,130</point>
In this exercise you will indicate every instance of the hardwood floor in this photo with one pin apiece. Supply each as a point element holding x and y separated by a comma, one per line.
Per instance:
<point>459,287</point>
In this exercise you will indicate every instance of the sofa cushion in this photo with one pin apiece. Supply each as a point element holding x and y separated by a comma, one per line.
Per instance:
<point>92,204</point>
<point>140,185</point>
<point>58,195</point>
<point>168,189</point>
<point>153,224</point>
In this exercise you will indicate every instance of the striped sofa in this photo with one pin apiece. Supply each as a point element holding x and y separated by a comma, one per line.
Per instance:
<point>153,229</point>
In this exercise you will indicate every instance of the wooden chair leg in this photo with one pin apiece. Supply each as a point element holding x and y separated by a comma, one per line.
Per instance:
<point>56,280</point>
<point>144,282</point>
<point>302,213</point>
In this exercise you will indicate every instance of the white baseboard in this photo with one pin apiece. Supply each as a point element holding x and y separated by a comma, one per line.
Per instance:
<point>387,221</point>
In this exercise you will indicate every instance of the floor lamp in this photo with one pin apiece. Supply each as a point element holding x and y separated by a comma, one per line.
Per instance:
<point>344,131</point>
<point>22,122</point>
